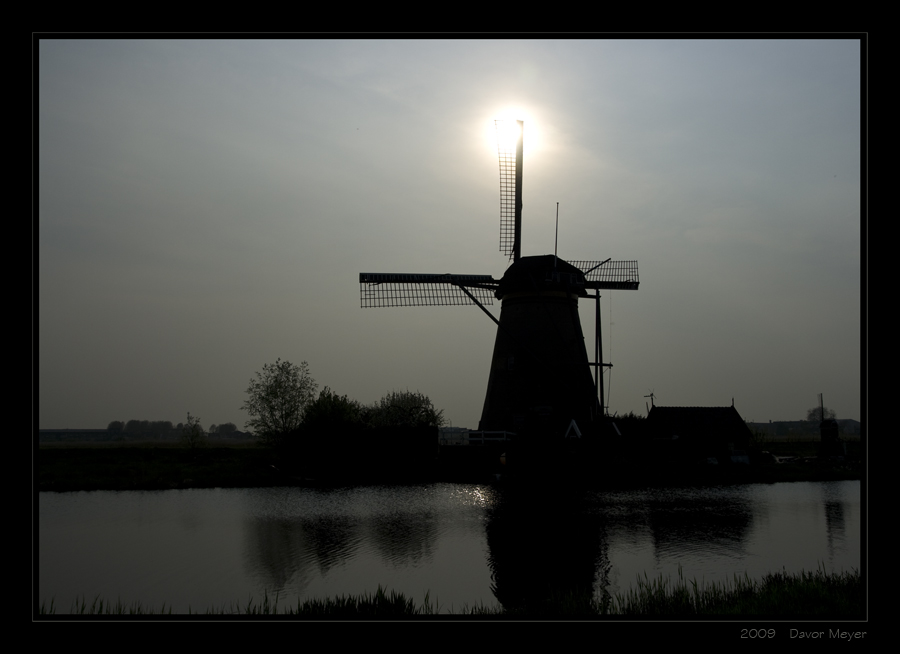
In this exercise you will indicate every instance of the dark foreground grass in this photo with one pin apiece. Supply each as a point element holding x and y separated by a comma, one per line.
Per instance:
<point>779,595</point>
<point>806,594</point>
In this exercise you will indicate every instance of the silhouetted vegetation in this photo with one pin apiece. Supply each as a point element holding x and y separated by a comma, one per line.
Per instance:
<point>331,411</point>
<point>277,400</point>
<point>192,434</point>
<point>404,409</point>
<point>226,429</point>
<point>330,437</point>
<point>802,595</point>
<point>333,436</point>
<point>141,431</point>
<point>146,429</point>
<point>340,438</point>
<point>777,595</point>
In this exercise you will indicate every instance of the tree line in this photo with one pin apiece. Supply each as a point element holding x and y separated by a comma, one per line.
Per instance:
<point>283,405</point>
<point>164,429</point>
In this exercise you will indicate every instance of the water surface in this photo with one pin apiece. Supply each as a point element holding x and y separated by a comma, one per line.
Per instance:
<point>461,543</point>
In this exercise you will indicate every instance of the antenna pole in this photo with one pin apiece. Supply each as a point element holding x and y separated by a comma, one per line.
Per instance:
<point>598,351</point>
<point>517,242</point>
<point>556,238</point>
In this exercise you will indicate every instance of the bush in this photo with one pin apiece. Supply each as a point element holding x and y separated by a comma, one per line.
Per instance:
<point>404,409</point>
<point>331,410</point>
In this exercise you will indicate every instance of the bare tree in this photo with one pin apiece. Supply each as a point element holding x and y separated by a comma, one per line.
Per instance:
<point>277,400</point>
<point>192,434</point>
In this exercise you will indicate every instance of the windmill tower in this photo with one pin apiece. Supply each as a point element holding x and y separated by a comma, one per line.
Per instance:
<point>540,373</point>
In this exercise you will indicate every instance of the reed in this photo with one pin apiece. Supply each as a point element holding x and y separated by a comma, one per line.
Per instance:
<point>101,607</point>
<point>806,594</point>
<point>784,595</point>
<point>381,604</point>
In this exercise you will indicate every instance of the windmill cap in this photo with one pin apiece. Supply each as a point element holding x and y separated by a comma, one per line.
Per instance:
<point>541,274</point>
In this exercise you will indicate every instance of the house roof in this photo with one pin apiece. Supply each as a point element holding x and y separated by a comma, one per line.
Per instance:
<point>698,421</point>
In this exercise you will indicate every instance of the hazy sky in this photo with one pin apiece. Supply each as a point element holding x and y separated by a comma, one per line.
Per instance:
<point>207,206</point>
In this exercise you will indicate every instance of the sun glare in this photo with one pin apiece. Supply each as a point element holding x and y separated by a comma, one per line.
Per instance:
<point>507,134</point>
<point>503,130</point>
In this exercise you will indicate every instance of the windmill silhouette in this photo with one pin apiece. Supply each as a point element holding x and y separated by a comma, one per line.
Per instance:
<point>651,396</point>
<point>540,373</point>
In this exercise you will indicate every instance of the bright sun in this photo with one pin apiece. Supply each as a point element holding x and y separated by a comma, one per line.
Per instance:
<point>505,131</point>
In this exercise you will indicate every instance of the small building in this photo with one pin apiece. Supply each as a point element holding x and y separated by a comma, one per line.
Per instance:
<point>699,432</point>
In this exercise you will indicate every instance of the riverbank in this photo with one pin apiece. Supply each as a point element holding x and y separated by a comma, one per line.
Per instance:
<point>160,466</point>
<point>817,595</point>
<point>153,466</point>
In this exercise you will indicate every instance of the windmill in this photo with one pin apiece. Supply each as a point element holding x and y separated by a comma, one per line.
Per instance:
<point>651,396</point>
<point>540,372</point>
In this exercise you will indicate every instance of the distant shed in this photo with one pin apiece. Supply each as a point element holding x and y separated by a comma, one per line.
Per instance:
<point>699,430</point>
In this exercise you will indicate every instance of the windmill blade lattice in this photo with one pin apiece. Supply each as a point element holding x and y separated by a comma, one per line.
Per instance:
<point>510,151</point>
<point>416,290</point>
<point>609,274</point>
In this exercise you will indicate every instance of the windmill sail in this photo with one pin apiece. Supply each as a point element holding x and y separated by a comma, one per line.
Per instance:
<point>609,274</point>
<point>416,289</point>
<point>509,145</point>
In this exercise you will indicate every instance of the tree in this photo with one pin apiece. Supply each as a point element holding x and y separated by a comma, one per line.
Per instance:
<point>192,434</point>
<point>134,427</point>
<point>815,414</point>
<point>227,428</point>
<point>332,411</point>
<point>116,426</point>
<point>277,400</point>
<point>404,409</point>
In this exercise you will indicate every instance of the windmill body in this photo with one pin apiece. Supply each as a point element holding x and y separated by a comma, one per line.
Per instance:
<point>540,373</point>
<point>540,380</point>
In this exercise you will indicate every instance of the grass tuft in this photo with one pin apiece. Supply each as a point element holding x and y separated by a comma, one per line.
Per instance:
<point>806,594</point>
<point>782,594</point>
